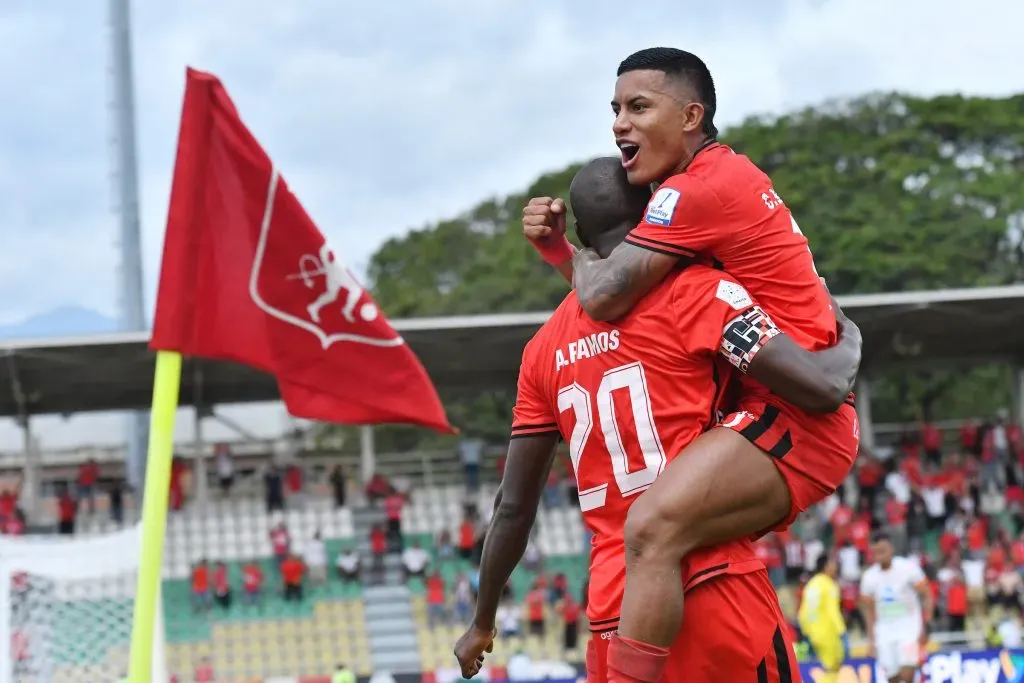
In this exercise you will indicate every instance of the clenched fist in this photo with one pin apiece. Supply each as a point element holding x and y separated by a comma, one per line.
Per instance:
<point>544,220</point>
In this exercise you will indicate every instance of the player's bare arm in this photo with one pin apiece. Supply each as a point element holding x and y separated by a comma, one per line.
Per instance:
<point>867,609</point>
<point>608,288</point>
<point>526,472</point>
<point>927,604</point>
<point>817,382</point>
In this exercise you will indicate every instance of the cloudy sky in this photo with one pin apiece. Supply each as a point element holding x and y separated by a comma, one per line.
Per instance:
<point>392,115</point>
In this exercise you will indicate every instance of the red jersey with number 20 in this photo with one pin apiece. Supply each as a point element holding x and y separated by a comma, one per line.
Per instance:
<point>628,397</point>
<point>723,207</point>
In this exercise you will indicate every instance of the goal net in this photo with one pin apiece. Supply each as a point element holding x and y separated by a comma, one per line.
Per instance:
<point>66,609</point>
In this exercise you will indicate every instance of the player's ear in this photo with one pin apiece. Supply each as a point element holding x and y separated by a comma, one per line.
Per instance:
<point>693,117</point>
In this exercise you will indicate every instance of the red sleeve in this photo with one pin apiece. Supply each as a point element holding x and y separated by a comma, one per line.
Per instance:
<point>678,219</point>
<point>721,317</point>
<point>533,412</point>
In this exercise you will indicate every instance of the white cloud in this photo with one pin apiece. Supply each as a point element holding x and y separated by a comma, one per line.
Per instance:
<point>391,115</point>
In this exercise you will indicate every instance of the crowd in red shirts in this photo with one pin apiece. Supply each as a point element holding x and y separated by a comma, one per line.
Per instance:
<point>956,506</point>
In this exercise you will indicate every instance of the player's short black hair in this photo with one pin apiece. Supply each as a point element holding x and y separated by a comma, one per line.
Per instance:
<point>680,64</point>
<point>821,563</point>
<point>879,536</point>
<point>602,199</point>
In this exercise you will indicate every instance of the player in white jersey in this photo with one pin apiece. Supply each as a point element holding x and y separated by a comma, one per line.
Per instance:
<point>897,605</point>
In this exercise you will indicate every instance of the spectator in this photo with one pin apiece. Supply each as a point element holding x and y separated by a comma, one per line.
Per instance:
<point>533,561</point>
<point>9,499</point>
<point>535,610</point>
<point>969,437</point>
<point>378,548</point>
<point>201,600</point>
<point>204,672</point>
<point>316,560</point>
<point>273,488</point>
<point>225,468</point>
<point>467,537</point>
<point>294,483</point>
<point>435,600</point>
<point>252,583</point>
<point>570,610</point>
<point>559,588</point>
<point>393,505</point>
<point>508,617</point>
<point>768,551</point>
<point>462,597</point>
<point>974,576</point>
<point>870,475</point>
<point>14,525</point>
<point>931,439</point>
<point>347,564</point>
<point>956,603</point>
<point>88,475</point>
<point>414,561</point>
<point>292,573</point>
<point>470,450</point>
<point>343,674</point>
<point>793,550</point>
<point>552,492</point>
<point>67,511</point>
<point>115,495</point>
<point>339,485</point>
<point>280,542</point>
<point>221,586</point>
<point>377,488</point>
<point>1009,630</point>
<point>176,498</point>
<point>849,562</point>
<point>445,549</point>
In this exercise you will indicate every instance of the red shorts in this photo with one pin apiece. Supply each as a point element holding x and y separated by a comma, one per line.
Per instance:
<point>733,630</point>
<point>814,453</point>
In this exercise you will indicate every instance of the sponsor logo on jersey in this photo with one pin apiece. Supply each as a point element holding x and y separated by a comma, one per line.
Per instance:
<point>734,295</point>
<point>662,206</point>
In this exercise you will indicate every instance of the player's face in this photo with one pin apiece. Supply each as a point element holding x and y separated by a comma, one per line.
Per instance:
<point>883,552</point>
<point>654,120</point>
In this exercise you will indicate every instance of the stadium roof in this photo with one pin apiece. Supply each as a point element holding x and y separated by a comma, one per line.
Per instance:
<point>115,372</point>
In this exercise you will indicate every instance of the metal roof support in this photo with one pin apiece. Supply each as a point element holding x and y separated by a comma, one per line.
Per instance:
<point>30,492</point>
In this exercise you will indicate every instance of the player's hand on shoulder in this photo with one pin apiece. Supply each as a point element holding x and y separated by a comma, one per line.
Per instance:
<point>544,219</point>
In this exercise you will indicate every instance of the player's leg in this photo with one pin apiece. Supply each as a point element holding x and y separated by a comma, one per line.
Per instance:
<point>597,657</point>
<point>722,487</point>
<point>829,651</point>
<point>734,630</point>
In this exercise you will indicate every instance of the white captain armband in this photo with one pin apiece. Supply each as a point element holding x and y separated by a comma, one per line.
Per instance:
<point>745,335</point>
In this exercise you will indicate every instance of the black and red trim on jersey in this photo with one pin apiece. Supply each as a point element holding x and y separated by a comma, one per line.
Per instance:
<point>666,248</point>
<point>777,665</point>
<point>534,430</point>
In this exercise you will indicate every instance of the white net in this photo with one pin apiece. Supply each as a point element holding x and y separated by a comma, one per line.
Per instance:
<point>66,613</point>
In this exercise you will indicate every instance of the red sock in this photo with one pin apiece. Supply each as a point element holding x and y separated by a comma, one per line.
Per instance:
<point>631,661</point>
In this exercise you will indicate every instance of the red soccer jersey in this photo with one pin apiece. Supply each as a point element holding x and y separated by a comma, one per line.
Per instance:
<point>628,396</point>
<point>724,208</point>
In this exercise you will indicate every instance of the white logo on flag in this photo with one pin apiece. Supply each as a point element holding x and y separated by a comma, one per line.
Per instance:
<point>311,268</point>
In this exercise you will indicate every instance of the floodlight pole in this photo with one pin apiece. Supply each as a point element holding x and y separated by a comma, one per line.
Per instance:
<point>132,311</point>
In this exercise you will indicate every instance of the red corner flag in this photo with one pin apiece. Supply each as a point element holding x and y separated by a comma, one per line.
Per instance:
<point>247,276</point>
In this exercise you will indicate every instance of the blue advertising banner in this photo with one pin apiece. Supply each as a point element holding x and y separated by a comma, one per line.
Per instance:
<point>978,666</point>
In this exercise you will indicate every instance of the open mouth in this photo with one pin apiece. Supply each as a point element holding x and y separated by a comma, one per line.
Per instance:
<point>629,153</point>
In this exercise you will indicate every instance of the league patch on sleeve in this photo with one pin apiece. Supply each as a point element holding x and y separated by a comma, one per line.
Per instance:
<point>734,295</point>
<point>662,206</point>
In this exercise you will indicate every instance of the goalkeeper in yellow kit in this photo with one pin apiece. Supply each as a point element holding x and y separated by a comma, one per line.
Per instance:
<point>821,619</point>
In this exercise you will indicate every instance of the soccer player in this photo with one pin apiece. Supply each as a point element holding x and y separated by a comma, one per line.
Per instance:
<point>712,205</point>
<point>897,606</point>
<point>628,397</point>
<point>821,620</point>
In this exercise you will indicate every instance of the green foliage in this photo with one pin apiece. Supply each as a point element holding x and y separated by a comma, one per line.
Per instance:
<point>894,192</point>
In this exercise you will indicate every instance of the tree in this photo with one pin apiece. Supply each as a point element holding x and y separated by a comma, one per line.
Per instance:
<point>894,193</point>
